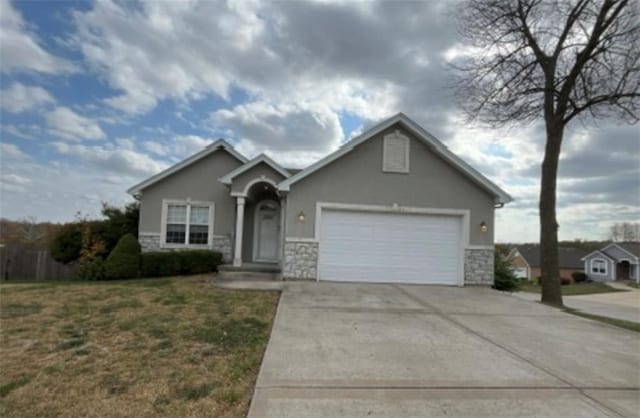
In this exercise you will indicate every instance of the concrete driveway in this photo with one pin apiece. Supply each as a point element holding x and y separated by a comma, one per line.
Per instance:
<point>370,350</point>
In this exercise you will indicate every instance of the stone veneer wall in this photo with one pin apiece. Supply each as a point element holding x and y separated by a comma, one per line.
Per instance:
<point>151,242</point>
<point>223,244</point>
<point>478,267</point>
<point>300,260</point>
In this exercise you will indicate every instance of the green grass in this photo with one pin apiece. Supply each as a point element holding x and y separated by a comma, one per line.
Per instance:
<point>629,325</point>
<point>149,347</point>
<point>11,386</point>
<point>573,289</point>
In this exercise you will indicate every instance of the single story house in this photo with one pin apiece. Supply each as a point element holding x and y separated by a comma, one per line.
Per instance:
<point>615,261</point>
<point>393,204</point>
<point>525,261</point>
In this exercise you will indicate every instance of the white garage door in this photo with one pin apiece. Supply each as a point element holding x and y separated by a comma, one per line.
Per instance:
<point>521,272</point>
<point>389,247</point>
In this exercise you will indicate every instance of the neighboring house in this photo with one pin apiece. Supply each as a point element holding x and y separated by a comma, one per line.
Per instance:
<point>391,205</point>
<point>616,261</point>
<point>525,260</point>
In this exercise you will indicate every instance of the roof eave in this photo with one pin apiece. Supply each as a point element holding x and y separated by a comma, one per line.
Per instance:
<point>209,149</point>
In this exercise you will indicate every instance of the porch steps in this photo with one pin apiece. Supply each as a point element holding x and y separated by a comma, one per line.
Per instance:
<point>249,271</point>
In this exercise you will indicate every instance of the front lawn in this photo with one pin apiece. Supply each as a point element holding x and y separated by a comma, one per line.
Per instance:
<point>172,347</point>
<point>573,289</point>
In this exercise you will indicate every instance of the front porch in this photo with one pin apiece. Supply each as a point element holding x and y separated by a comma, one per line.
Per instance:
<point>626,270</point>
<point>250,271</point>
<point>258,231</point>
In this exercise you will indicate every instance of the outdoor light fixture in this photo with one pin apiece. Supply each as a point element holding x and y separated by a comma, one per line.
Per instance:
<point>301,217</point>
<point>483,226</point>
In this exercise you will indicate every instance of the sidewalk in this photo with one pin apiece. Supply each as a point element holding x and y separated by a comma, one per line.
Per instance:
<point>618,305</point>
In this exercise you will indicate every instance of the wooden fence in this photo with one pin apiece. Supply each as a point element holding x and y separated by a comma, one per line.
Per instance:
<point>18,263</point>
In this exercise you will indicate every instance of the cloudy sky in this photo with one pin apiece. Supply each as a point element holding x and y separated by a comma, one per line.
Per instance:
<point>96,96</point>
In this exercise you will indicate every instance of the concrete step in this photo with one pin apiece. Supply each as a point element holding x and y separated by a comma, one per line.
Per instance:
<point>252,267</point>
<point>247,275</point>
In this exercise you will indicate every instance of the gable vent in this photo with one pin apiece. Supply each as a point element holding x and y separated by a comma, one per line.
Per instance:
<point>395,158</point>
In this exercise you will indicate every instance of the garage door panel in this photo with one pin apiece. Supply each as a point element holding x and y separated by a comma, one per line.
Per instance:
<point>389,247</point>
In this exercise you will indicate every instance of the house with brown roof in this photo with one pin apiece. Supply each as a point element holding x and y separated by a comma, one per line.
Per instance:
<point>525,261</point>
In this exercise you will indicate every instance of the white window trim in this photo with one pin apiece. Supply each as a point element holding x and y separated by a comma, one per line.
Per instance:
<point>188,203</point>
<point>606,267</point>
<point>407,143</point>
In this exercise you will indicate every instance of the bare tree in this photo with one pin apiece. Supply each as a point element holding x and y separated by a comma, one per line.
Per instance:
<point>624,231</point>
<point>32,232</point>
<point>550,60</point>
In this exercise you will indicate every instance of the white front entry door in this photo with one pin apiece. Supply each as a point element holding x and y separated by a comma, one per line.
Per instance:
<point>390,247</point>
<point>266,230</point>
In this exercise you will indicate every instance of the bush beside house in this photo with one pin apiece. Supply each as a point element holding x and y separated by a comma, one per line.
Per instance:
<point>124,260</point>
<point>504,278</point>
<point>175,263</point>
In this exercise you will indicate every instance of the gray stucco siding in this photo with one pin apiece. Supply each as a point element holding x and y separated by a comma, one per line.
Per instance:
<point>240,182</point>
<point>599,277</point>
<point>198,182</point>
<point>357,178</point>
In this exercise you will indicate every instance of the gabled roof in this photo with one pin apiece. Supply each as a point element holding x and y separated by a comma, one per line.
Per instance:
<point>262,158</point>
<point>631,248</point>
<point>218,145</point>
<point>567,257</point>
<point>598,253</point>
<point>438,147</point>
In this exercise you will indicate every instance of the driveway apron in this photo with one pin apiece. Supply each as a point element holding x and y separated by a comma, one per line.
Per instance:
<point>377,350</point>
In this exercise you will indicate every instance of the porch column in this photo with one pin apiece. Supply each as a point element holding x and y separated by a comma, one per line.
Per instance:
<point>237,253</point>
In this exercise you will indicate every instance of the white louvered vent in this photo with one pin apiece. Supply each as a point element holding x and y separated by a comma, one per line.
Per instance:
<point>395,158</point>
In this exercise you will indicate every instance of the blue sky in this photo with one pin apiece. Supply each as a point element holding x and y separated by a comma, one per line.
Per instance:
<point>97,96</point>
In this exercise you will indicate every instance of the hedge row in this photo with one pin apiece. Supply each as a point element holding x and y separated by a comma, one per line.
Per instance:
<point>176,263</point>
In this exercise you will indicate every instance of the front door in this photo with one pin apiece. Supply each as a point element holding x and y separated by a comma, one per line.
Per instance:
<point>267,229</point>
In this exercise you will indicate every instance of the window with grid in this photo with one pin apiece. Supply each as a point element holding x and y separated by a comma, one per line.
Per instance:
<point>598,267</point>
<point>187,224</point>
<point>199,225</point>
<point>176,224</point>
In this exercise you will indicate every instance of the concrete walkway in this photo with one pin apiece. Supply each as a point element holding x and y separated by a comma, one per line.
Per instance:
<point>367,350</point>
<point>619,305</point>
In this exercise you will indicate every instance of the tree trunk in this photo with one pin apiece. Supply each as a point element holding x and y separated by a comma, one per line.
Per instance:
<point>549,263</point>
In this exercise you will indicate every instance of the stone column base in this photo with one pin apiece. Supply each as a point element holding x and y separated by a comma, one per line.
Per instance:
<point>300,260</point>
<point>478,267</point>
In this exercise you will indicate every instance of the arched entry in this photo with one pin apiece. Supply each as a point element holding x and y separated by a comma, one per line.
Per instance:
<point>266,231</point>
<point>623,270</point>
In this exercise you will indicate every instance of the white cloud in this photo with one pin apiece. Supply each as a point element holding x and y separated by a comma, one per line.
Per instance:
<point>178,147</point>
<point>67,124</point>
<point>11,151</point>
<point>14,179</point>
<point>20,48</point>
<point>18,98</point>
<point>112,158</point>
<point>46,197</point>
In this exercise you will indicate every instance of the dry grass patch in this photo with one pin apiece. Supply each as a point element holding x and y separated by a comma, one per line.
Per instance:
<point>175,347</point>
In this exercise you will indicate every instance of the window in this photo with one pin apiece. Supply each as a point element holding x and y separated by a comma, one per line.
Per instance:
<point>187,223</point>
<point>199,225</point>
<point>176,224</point>
<point>598,266</point>
<point>395,158</point>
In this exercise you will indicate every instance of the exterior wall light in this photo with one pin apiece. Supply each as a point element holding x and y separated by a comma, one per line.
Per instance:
<point>483,227</point>
<point>301,217</point>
